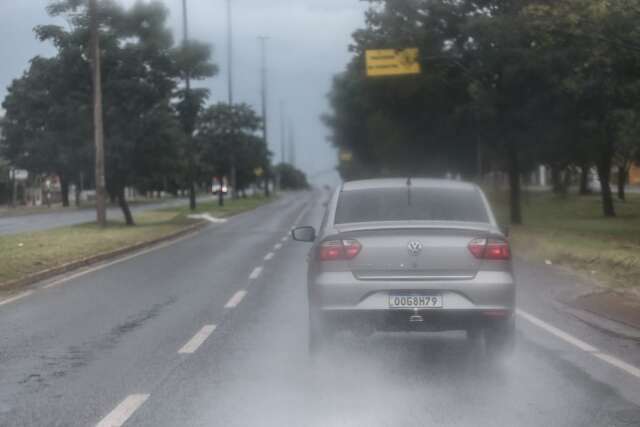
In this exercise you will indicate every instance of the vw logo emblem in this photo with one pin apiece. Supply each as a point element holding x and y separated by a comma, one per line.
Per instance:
<point>414,247</point>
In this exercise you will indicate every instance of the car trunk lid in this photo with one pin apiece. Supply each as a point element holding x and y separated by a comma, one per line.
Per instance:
<point>418,251</point>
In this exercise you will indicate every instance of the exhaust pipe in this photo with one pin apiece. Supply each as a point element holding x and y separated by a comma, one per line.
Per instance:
<point>416,318</point>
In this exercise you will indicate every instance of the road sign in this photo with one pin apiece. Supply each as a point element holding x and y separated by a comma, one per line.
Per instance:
<point>346,156</point>
<point>258,171</point>
<point>392,62</point>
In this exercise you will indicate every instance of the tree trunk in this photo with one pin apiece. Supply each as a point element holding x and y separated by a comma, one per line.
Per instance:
<point>77,196</point>
<point>124,205</point>
<point>64,188</point>
<point>566,182</point>
<point>192,195</point>
<point>604,175</point>
<point>514,185</point>
<point>266,186</point>
<point>584,180</point>
<point>220,194</point>
<point>622,181</point>
<point>556,179</point>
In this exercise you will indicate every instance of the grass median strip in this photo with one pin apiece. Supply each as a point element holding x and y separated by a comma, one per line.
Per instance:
<point>25,254</point>
<point>571,231</point>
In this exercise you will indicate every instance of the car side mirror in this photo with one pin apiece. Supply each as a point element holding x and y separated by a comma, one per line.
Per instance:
<point>304,234</point>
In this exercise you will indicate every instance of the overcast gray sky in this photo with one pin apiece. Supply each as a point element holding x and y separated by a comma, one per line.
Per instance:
<point>307,45</point>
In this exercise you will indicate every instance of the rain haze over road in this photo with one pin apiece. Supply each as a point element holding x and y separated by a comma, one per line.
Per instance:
<point>253,367</point>
<point>440,248</point>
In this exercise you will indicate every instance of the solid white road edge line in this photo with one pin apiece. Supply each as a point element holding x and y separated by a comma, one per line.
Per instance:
<point>123,411</point>
<point>299,217</point>
<point>235,299</point>
<point>611,360</point>
<point>198,339</point>
<point>268,256</point>
<point>255,273</point>
<point>16,298</point>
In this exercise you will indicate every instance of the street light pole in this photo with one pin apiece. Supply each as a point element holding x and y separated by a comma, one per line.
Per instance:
<point>283,133</point>
<point>263,49</point>
<point>187,97</point>
<point>98,126</point>
<point>234,191</point>
<point>229,54</point>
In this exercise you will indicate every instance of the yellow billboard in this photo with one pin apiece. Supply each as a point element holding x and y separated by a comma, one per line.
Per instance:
<point>392,62</point>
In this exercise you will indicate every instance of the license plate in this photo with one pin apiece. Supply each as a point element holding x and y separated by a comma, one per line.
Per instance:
<point>415,301</point>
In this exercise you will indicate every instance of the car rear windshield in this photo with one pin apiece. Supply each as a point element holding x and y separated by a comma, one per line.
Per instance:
<point>407,204</point>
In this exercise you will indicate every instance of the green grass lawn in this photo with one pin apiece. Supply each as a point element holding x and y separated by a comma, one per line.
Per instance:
<point>572,231</point>
<point>27,253</point>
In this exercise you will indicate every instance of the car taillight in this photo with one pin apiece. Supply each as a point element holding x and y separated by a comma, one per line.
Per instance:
<point>494,249</point>
<point>332,250</point>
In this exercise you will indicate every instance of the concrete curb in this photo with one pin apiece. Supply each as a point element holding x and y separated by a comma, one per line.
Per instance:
<point>94,259</point>
<point>601,323</point>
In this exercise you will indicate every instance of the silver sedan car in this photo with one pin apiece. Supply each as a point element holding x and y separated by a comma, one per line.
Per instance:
<point>410,255</point>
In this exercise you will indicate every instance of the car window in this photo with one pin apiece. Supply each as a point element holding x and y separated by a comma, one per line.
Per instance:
<point>406,204</point>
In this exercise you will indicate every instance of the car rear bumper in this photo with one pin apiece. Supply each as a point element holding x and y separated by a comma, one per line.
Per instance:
<point>342,291</point>
<point>432,320</point>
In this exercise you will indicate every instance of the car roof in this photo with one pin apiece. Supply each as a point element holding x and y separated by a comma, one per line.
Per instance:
<point>370,184</point>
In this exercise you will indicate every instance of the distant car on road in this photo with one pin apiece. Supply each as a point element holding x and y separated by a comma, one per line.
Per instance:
<point>410,255</point>
<point>216,187</point>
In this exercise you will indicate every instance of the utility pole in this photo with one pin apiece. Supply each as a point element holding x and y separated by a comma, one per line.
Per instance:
<point>98,126</point>
<point>234,191</point>
<point>263,49</point>
<point>283,133</point>
<point>187,98</point>
<point>229,54</point>
<point>292,145</point>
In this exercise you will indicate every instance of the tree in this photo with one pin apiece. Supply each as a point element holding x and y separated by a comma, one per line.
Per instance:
<point>216,147</point>
<point>480,57</point>
<point>628,145</point>
<point>606,63</point>
<point>290,177</point>
<point>48,109</point>
<point>47,119</point>
<point>506,84</point>
<point>193,62</point>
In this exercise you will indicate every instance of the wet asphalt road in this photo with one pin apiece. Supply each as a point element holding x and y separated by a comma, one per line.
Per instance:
<point>47,220</point>
<point>106,347</point>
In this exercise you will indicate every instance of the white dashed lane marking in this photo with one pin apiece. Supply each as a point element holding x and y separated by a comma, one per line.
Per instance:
<point>277,246</point>
<point>198,339</point>
<point>123,411</point>
<point>588,348</point>
<point>255,273</point>
<point>268,256</point>
<point>235,299</point>
<point>299,217</point>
